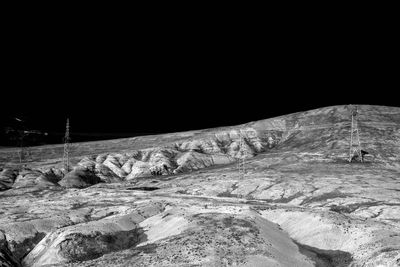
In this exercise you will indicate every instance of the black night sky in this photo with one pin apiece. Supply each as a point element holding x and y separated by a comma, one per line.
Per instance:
<point>116,84</point>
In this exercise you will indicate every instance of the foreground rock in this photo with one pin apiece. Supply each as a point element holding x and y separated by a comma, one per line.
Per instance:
<point>209,239</point>
<point>7,259</point>
<point>90,240</point>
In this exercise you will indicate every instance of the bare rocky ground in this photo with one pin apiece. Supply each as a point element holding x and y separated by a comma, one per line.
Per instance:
<point>178,199</point>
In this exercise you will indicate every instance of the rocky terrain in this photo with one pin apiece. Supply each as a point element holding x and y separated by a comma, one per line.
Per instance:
<point>178,199</point>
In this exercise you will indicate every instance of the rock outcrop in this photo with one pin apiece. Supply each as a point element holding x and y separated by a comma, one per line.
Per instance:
<point>79,178</point>
<point>7,178</point>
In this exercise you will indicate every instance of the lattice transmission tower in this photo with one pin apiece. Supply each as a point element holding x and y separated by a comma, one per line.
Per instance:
<point>66,148</point>
<point>242,160</point>
<point>355,145</point>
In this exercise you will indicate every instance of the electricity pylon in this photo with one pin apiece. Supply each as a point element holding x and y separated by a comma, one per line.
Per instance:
<point>66,148</point>
<point>355,146</point>
<point>242,160</point>
<point>21,131</point>
<point>21,150</point>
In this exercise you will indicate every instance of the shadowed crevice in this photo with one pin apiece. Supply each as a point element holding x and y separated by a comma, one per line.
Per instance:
<point>325,258</point>
<point>143,188</point>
